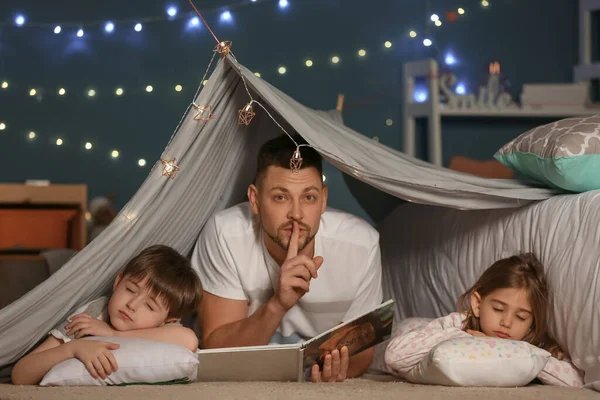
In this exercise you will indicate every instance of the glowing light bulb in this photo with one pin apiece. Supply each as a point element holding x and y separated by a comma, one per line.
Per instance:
<point>178,88</point>
<point>141,162</point>
<point>31,135</point>
<point>362,53</point>
<point>114,153</point>
<point>412,34</point>
<point>88,146</point>
<point>388,44</point>
<point>119,92</point>
<point>282,70</point>
<point>309,63</point>
<point>59,142</point>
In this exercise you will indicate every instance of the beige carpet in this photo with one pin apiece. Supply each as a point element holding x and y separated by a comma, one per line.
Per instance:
<point>359,389</point>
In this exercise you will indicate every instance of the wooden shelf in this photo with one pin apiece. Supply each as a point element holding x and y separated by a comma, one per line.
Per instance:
<point>25,197</point>
<point>526,112</point>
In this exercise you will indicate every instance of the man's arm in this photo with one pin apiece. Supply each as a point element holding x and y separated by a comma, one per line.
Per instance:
<point>225,322</point>
<point>359,364</point>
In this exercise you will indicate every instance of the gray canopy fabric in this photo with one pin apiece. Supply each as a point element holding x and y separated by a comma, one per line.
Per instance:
<point>217,161</point>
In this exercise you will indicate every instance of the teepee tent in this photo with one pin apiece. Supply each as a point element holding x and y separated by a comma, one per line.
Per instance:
<point>216,160</point>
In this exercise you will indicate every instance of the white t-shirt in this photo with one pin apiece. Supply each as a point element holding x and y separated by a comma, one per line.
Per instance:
<point>232,261</point>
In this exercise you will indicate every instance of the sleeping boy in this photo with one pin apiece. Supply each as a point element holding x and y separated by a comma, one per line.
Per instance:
<point>154,291</point>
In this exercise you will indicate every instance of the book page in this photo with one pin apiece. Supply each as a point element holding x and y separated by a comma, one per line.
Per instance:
<point>358,334</point>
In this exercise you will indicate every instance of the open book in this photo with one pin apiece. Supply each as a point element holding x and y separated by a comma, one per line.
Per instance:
<point>291,362</point>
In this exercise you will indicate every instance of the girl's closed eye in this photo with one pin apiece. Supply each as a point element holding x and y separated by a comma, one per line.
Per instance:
<point>150,307</point>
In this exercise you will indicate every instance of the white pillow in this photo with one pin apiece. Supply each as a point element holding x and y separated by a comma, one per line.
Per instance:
<point>139,361</point>
<point>481,362</point>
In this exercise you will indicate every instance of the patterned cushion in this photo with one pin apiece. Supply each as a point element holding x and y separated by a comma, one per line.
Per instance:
<point>564,154</point>
<point>481,362</point>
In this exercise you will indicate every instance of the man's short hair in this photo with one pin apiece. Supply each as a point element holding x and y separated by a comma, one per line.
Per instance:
<point>278,152</point>
<point>170,277</point>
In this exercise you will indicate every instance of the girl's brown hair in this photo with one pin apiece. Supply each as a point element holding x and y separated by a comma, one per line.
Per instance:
<point>523,271</point>
<point>170,277</point>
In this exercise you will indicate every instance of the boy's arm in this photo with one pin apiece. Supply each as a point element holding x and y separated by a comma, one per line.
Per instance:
<point>30,369</point>
<point>170,333</point>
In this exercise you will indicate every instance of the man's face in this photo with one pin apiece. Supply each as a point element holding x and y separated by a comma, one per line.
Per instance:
<point>282,197</point>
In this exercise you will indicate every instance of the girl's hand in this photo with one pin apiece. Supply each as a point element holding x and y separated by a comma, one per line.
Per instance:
<point>96,356</point>
<point>85,325</point>
<point>475,333</point>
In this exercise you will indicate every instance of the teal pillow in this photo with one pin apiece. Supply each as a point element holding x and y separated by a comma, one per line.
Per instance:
<point>564,154</point>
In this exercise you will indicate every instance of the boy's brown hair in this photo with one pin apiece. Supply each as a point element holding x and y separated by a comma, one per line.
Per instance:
<point>170,277</point>
<point>522,271</point>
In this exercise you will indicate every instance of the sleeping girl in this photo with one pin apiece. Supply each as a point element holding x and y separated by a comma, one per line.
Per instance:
<point>509,301</point>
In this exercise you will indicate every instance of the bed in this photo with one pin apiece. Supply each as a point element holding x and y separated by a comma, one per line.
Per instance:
<point>431,255</point>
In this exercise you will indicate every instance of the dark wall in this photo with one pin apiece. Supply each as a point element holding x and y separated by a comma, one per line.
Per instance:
<point>535,41</point>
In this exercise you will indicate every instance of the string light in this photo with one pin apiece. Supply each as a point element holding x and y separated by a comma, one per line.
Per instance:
<point>204,82</point>
<point>485,3</point>
<point>91,93</point>
<point>438,23</point>
<point>109,27</point>
<point>32,92</point>
<point>388,44</point>
<point>435,17</point>
<point>282,70</point>
<point>119,92</point>
<point>389,122</point>
<point>257,74</point>
<point>149,88</point>
<point>141,162</point>
<point>178,88</point>
<point>172,11</point>
<point>138,27</point>
<point>20,20</point>
<point>31,135</point>
<point>427,42</point>
<point>114,153</point>
<point>4,85</point>
<point>80,33</point>
<point>57,29</point>
<point>335,59</point>
<point>59,142</point>
<point>88,146</point>
<point>362,53</point>
<point>62,92</point>
<point>461,11</point>
<point>2,126</point>
<point>283,3</point>
<point>225,16</point>
<point>309,63</point>
<point>412,34</point>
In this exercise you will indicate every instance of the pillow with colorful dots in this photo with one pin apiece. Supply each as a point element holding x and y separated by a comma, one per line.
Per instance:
<point>480,361</point>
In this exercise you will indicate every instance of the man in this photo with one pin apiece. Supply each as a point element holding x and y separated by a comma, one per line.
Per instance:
<point>282,268</point>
